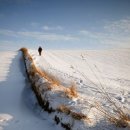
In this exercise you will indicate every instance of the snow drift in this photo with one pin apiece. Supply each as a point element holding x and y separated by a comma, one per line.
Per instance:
<point>86,112</point>
<point>53,98</point>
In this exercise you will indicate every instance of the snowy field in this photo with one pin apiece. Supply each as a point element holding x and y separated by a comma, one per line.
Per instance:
<point>96,75</point>
<point>93,73</point>
<point>90,70</point>
<point>19,109</point>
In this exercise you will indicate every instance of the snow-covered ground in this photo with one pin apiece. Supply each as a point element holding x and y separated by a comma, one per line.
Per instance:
<point>111,68</point>
<point>19,109</point>
<point>92,72</point>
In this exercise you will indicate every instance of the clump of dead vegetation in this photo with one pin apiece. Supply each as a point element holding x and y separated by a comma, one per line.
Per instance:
<point>67,110</point>
<point>64,109</point>
<point>54,80</point>
<point>78,116</point>
<point>117,116</point>
<point>50,83</point>
<point>24,50</point>
<point>71,92</point>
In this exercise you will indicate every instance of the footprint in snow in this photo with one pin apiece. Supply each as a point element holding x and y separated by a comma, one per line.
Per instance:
<point>81,81</point>
<point>121,99</point>
<point>72,103</point>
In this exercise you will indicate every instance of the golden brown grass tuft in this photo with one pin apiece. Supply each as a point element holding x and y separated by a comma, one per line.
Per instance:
<point>39,71</point>
<point>122,122</point>
<point>64,109</point>
<point>78,116</point>
<point>25,53</point>
<point>120,118</point>
<point>54,80</point>
<point>71,92</point>
<point>24,50</point>
<point>30,58</point>
<point>67,110</point>
<point>47,86</point>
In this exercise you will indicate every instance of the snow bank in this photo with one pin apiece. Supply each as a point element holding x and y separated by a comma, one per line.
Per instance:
<point>4,118</point>
<point>53,99</point>
<point>91,108</point>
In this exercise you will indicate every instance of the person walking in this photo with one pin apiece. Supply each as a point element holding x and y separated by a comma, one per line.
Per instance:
<point>40,50</point>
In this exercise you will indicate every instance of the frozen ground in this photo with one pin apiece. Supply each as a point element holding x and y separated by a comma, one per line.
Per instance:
<point>93,72</point>
<point>111,68</point>
<point>18,107</point>
<point>90,70</point>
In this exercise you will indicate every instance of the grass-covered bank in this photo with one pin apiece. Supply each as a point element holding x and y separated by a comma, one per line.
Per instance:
<point>53,97</point>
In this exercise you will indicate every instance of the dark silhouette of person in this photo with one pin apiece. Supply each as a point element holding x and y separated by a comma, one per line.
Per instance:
<point>40,50</point>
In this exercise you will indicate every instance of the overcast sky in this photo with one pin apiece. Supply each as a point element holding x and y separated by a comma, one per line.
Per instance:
<point>65,24</point>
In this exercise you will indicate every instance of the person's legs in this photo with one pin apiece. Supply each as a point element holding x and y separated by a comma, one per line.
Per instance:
<point>40,53</point>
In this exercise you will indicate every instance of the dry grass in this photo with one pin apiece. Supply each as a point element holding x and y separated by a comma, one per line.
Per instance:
<point>64,109</point>
<point>71,92</point>
<point>52,79</point>
<point>67,110</point>
<point>25,53</point>
<point>24,50</point>
<point>119,118</point>
<point>78,116</point>
<point>119,122</point>
<point>33,67</point>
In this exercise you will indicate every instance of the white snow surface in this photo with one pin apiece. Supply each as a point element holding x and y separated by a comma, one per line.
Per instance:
<point>93,72</point>
<point>90,70</point>
<point>19,109</point>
